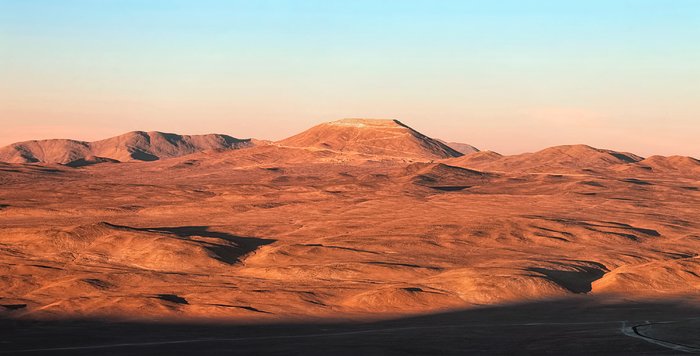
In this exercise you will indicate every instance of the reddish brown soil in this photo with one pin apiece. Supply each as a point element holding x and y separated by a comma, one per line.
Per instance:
<point>355,230</point>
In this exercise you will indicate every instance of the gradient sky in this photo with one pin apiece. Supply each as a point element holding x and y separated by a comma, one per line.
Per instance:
<point>511,76</point>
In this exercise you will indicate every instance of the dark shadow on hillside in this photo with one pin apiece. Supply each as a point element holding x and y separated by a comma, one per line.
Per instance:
<point>82,162</point>
<point>624,157</point>
<point>637,181</point>
<point>578,281</point>
<point>578,326</point>
<point>225,253</point>
<point>230,251</point>
<point>143,156</point>
<point>451,188</point>
<point>173,298</point>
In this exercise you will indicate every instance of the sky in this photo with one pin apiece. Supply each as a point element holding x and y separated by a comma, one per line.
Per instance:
<point>507,75</point>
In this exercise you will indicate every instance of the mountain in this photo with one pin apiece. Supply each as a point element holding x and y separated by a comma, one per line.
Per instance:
<point>131,146</point>
<point>671,164</point>
<point>553,159</point>
<point>373,137</point>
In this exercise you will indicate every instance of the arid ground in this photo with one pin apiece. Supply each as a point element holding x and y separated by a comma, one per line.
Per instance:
<point>357,236</point>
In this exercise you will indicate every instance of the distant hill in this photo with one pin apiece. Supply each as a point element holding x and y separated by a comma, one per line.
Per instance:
<point>131,146</point>
<point>558,159</point>
<point>671,164</point>
<point>481,158</point>
<point>371,136</point>
<point>463,148</point>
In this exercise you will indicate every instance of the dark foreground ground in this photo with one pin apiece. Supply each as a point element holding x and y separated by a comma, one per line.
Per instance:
<point>570,327</point>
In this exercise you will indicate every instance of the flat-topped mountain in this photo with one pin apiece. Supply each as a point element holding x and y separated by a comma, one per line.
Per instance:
<point>371,136</point>
<point>131,146</point>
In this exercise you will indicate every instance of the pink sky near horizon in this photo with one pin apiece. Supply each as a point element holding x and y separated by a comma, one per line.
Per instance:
<point>508,76</point>
<point>507,129</point>
<point>506,137</point>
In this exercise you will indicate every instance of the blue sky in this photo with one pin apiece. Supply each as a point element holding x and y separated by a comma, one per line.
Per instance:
<point>511,76</point>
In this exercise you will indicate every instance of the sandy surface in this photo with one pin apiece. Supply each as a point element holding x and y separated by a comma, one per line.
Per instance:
<point>277,233</point>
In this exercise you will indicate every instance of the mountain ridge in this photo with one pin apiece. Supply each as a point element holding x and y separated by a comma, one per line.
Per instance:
<point>337,141</point>
<point>130,146</point>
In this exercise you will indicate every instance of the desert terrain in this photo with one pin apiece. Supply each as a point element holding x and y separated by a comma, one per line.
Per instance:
<point>356,232</point>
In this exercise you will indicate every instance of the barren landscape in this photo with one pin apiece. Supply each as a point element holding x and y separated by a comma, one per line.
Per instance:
<point>365,226</point>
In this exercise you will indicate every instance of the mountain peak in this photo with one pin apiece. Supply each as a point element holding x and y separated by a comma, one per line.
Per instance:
<point>371,136</point>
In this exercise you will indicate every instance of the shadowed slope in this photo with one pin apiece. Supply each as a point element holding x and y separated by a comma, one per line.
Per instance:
<point>230,253</point>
